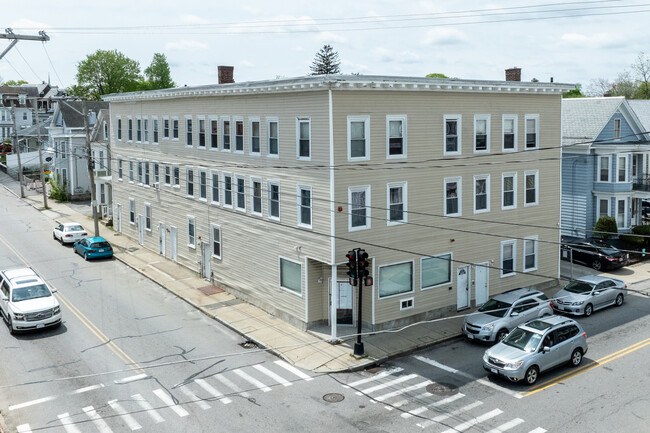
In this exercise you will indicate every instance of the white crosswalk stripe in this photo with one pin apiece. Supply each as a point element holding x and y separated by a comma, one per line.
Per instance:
<point>389,384</point>
<point>403,390</point>
<point>24,428</point>
<point>67,423</point>
<point>97,420</point>
<point>507,426</point>
<point>124,414</point>
<point>377,376</point>
<point>170,403</point>
<point>438,403</point>
<point>294,370</point>
<point>213,391</point>
<point>453,413</point>
<point>272,375</point>
<point>148,408</point>
<point>194,398</point>
<point>472,422</point>
<point>538,430</point>
<point>250,379</point>
<point>230,384</point>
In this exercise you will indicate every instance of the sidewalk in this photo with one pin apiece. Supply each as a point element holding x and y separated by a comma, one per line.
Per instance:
<point>310,350</point>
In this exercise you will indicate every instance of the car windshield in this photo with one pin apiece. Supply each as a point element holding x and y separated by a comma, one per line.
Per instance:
<point>100,245</point>
<point>609,251</point>
<point>495,308</point>
<point>578,287</point>
<point>31,292</point>
<point>76,228</point>
<point>523,339</point>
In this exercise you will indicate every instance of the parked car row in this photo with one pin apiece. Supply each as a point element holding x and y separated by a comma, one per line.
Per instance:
<point>595,253</point>
<point>93,247</point>
<point>529,338</point>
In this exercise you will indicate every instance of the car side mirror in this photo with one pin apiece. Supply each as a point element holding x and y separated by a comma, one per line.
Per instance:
<point>546,349</point>
<point>514,314</point>
<point>53,290</point>
<point>595,293</point>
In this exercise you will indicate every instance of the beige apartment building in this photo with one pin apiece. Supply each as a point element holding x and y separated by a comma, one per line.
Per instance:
<point>452,187</point>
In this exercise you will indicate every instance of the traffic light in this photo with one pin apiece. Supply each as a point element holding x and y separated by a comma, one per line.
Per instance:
<point>352,264</point>
<point>363,263</point>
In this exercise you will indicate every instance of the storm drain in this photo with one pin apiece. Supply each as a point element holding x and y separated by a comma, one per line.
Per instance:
<point>442,389</point>
<point>248,345</point>
<point>333,397</point>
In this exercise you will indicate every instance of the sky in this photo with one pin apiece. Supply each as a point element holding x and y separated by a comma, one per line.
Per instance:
<point>572,42</point>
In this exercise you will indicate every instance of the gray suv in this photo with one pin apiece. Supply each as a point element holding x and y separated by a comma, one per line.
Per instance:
<point>537,346</point>
<point>502,313</point>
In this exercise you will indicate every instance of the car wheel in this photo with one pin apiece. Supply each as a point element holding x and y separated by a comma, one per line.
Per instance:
<point>501,335</point>
<point>588,310</point>
<point>11,325</point>
<point>619,300</point>
<point>86,256</point>
<point>54,236</point>
<point>531,375</point>
<point>576,357</point>
<point>597,265</point>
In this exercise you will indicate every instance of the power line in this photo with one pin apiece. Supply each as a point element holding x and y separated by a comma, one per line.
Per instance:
<point>52,64</point>
<point>27,63</point>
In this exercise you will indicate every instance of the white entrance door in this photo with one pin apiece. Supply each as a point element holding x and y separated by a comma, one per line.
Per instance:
<point>481,279</point>
<point>344,310</point>
<point>173,235</point>
<point>118,218</point>
<point>205,260</point>
<point>462,287</point>
<point>161,236</point>
<point>141,229</point>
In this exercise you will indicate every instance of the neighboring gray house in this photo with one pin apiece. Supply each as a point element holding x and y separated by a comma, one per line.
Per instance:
<point>605,148</point>
<point>67,136</point>
<point>101,153</point>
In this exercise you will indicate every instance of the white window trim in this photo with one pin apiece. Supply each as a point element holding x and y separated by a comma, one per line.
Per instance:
<point>617,129</point>
<point>609,168</point>
<point>512,242</point>
<point>447,180</point>
<point>535,240</point>
<point>459,120</point>
<point>250,136</point>
<point>252,196</point>
<point>514,188</point>
<point>402,301</point>
<point>207,182</point>
<point>145,129</point>
<point>300,120</point>
<point>208,142</point>
<point>609,206</point>
<point>131,169</point>
<point>627,166</point>
<point>186,118</point>
<point>193,220</point>
<point>536,117</point>
<point>487,189</point>
<point>404,186</point>
<point>232,192</point>
<point>526,174</point>
<point>299,188</point>
<point>171,128</point>
<point>132,206</point>
<point>626,214</point>
<point>120,168</point>
<point>222,121</point>
<point>171,175</point>
<point>366,120</point>
<point>515,131</point>
<point>212,200</point>
<point>236,192</point>
<point>286,289</point>
<point>487,118</point>
<point>268,187</point>
<point>187,194</point>
<point>367,190</point>
<point>119,135</point>
<point>197,128</point>
<point>233,128</point>
<point>270,120</point>
<point>154,121</point>
<point>402,118</point>
<point>147,206</point>
<point>212,227</point>
<point>396,294</point>
<point>138,120</point>
<point>451,272</point>
<point>174,184</point>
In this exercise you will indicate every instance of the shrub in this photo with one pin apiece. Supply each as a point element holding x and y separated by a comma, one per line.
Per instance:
<point>605,227</point>
<point>58,188</point>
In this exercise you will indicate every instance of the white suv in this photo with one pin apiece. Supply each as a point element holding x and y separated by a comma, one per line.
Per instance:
<point>26,302</point>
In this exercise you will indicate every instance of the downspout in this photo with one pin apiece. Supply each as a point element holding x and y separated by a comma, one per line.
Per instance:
<point>333,279</point>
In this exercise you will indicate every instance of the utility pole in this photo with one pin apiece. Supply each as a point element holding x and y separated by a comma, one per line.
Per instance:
<point>91,169</point>
<point>20,167</point>
<point>15,38</point>
<point>40,152</point>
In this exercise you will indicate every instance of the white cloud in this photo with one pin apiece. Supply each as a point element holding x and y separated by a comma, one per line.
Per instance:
<point>598,40</point>
<point>185,45</point>
<point>25,24</point>
<point>444,36</point>
<point>385,55</point>
<point>192,19</point>
<point>327,37</point>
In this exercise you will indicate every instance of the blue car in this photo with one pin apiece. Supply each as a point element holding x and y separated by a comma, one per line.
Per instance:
<point>93,248</point>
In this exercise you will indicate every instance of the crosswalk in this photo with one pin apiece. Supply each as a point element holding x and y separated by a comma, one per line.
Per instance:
<point>406,393</point>
<point>158,405</point>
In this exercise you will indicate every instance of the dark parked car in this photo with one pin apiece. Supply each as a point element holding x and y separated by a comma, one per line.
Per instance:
<point>597,254</point>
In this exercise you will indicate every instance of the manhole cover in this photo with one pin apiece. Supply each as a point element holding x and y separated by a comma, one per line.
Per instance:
<point>248,345</point>
<point>442,389</point>
<point>333,397</point>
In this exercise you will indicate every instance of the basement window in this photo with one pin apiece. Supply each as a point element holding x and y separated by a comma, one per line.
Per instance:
<point>406,304</point>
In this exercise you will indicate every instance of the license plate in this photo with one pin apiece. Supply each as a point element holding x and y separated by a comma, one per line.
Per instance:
<point>40,325</point>
<point>101,251</point>
<point>494,370</point>
<point>470,336</point>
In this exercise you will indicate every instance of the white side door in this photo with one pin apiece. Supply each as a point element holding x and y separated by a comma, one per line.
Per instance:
<point>462,287</point>
<point>173,235</point>
<point>118,218</point>
<point>481,283</point>
<point>205,260</point>
<point>141,229</point>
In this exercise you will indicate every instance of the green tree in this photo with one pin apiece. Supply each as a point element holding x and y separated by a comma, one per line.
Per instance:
<point>436,75</point>
<point>158,74</point>
<point>642,69</point>
<point>105,72</point>
<point>605,227</point>
<point>326,62</point>
<point>14,83</point>
<point>624,85</point>
<point>575,93</point>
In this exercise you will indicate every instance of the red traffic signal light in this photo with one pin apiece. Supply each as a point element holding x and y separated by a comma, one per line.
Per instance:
<point>352,264</point>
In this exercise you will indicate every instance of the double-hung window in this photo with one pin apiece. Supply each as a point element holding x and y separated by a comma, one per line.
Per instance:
<point>397,204</point>
<point>274,200</point>
<point>214,133</point>
<point>155,130</point>
<point>254,133</point>
<point>240,182</point>
<point>481,193</point>
<point>621,168</point>
<point>532,131</point>
<point>129,129</point>
<point>508,258</point>
<point>303,138</point>
<point>531,187</point>
<point>239,135</point>
<point>272,131</point>
<point>225,130</point>
<point>145,129</point>
<point>359,204</point>
<point>191,231</point>
<point>165,128</point>
<point>132,211</point>
<point>140,172</point>
<point>621,213</point>
<point>603,207</point>
<point>227,190</point>
<point>214,187</point>
<point>603,168</point>
<point>481,133</point>
<point>201,122</point>
<point>509,191</point>
<point>215,239</point>
<point>189,181</point>
<point>358,138</point>
<point>177,176</point>
<point>304,206</point>
<point>395,136</point>
<point>617,129</point>
<point>189,132</point>
<point>530,253</point>
<point>119,129</point>
<point>168,175</point>
<point>147,217</point>
<point>509,126</point>
<point>138,130</point>
<point>130,171</point>
<point>452,138</point>
<point>174,128</point>
<point>256,196</point>
<point>203,185</point>
<point>119,168</point>
<point>146,173</point>
<point>452,194</point>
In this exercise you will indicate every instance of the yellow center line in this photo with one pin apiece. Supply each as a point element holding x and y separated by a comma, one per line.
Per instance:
<point>597,363</point>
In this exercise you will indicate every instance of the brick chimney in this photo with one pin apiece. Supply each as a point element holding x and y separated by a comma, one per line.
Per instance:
<point>226,74</point>
<point>513,74</point>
